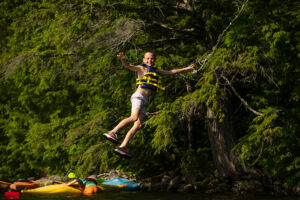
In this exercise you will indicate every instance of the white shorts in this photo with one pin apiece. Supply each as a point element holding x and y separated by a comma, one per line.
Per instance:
<point>139,101</point>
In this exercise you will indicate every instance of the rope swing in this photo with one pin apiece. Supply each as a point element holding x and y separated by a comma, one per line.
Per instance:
<point>204,61</point>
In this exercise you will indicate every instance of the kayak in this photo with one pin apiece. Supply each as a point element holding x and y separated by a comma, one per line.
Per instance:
<point>18,186</point>
<point>113,185</point>
<point>54,189</point>
<point>26,185</point>
<point>118,184</point>
<point>111,188</point>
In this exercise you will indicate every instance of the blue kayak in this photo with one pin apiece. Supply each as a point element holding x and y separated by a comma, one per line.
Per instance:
<point>127,184</point>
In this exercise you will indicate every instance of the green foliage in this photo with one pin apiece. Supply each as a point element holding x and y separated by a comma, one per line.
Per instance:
<point>262,131</point>
<point>63,87</point>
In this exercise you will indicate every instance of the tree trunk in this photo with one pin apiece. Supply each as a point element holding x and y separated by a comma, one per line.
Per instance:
<point>191,135</point>
<point>222,142</point>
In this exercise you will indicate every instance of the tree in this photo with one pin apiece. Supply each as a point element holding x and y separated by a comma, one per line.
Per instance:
<point>64,86</point>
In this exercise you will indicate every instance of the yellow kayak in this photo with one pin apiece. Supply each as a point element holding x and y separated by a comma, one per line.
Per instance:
<point>54,189</point>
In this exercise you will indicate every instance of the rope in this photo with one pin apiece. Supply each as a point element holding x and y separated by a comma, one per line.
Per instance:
<point>220,37</point>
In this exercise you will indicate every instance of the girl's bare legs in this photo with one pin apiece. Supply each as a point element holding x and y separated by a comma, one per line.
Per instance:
<point>136,126</point>
<point>133,118</point>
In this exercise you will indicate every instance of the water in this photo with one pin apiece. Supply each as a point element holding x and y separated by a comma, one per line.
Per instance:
<point>157,196</point>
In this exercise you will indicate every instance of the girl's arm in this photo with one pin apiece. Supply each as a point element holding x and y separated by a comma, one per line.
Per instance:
<point>72,182</point>
<point>127,65</point>
<point>176,71</point>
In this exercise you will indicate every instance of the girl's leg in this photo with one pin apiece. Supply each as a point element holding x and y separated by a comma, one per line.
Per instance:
<point>136,126</point>
<point>133,117</point>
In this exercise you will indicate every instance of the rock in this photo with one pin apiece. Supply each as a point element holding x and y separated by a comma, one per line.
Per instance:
<point>158,187</point>
<point>210,191</point>
<point>116,174</point>
<point>189,188</point>
<point>258,186</point>
<point>55,178</point>
<point>145,186</point>
<point>277,186</point>
<point>174,184</point>
<point>205,181</point>
<point>296,190</point>
<point>192,177</point>
<point>213,182</point>
<point>166,179</point>
<point>223,187</point>
<point>245,186</point>
<point>43,179</point>
<point>201,186</point>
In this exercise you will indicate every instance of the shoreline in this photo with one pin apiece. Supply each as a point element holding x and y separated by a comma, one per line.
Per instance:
<point>195,182</point>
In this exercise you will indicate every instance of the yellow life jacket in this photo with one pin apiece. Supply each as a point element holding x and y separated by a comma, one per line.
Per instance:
<point>149,80</point>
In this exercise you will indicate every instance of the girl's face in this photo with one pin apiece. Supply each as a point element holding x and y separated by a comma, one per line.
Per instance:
<point>149,59</point>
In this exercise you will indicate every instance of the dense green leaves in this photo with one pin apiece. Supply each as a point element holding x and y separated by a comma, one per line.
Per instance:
<point>62,86</point>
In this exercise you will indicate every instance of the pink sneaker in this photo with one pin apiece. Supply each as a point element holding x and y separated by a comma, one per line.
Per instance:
<point>111,137</point>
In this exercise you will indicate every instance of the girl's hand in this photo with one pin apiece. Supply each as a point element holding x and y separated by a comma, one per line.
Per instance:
<point>190,67</point>
<point>121,55</point>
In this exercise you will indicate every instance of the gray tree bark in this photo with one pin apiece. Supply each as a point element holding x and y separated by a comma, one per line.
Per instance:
<point>222,141</point>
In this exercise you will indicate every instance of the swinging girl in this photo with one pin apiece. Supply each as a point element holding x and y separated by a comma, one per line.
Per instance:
<point>147,84</point>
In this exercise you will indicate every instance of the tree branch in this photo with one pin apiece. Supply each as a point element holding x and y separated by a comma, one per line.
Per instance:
<point>244,102</point>
<point>260,151</point>
<point>171,28</point>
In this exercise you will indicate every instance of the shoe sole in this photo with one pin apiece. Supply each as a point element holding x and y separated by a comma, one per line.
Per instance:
<point>122,154</point>
<point>111,139</point>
